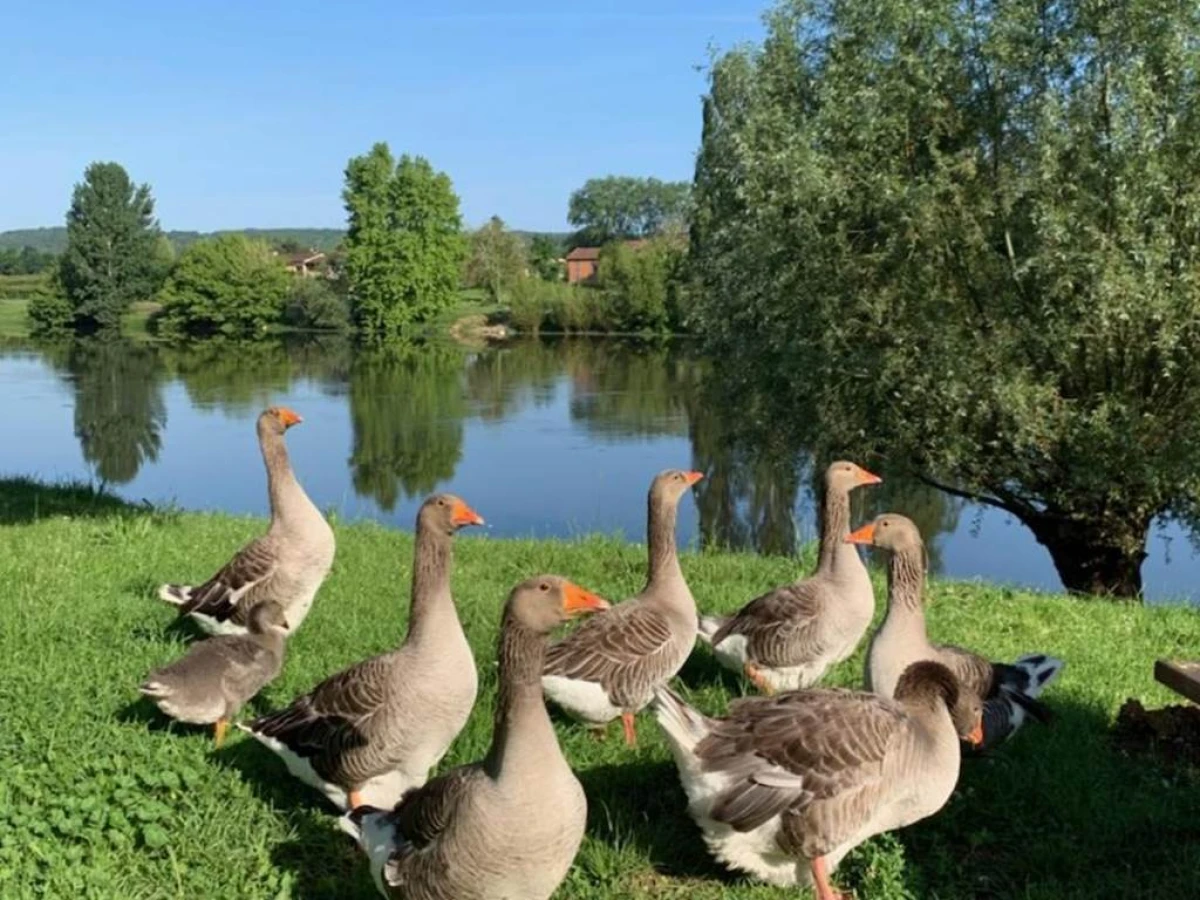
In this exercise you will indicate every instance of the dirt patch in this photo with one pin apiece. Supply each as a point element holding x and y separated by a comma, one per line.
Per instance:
<point>472,329</point>
<point>1171,733</point>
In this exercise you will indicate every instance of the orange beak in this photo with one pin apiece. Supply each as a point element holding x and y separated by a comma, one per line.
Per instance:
<point>864,535</point>
<point>577,601</point>
<point>693,477</point>
<point>975,738</point>
<point>288,417</point>
<point>865,477</point>
<point>464,515</point>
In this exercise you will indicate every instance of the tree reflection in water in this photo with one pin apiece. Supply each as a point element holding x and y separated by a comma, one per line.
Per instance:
<point>408,405</point>
<point>119,409</point>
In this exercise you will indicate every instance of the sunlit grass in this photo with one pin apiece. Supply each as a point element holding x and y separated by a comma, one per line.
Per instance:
<point>99,797</point>
<point>14,322</point>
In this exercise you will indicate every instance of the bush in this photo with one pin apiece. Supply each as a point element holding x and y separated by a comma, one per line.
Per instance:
<point>49,313</point>
<point>538,305</point>
<point>313,305</point>
<point>225,285</point>
<point>642,283</point>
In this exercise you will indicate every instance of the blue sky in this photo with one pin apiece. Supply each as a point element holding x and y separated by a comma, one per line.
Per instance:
<point>244,114</point>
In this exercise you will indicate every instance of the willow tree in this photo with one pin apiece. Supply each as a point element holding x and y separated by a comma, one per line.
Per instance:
<point>967,234</point>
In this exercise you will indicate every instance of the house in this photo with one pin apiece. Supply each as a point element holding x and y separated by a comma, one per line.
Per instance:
<point>307,264</point>
<point>582,262</point>
<point>581,265</point>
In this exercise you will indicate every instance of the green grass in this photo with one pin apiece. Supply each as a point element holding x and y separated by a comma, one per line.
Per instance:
<point>13,321</point>
<point>101,797</point>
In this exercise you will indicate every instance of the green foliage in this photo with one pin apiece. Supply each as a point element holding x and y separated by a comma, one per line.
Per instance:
<point>110,260</point>
<point>313,304</point>
<point>117,802</point>
<point>643,285</point>
<point>407,408</point>
<point>404,249</point>
<point>639,290</point>
<point>54,240</point>
<point>226,285</point>
<point>25,261</point>
<point>617,207</point>
<point>972,233</point>
<point>544,256</point>
<point>119,409</point>
<point>496,259</point>
<point>557,307</point>
<point>17,287</point>
<point>50,313</point>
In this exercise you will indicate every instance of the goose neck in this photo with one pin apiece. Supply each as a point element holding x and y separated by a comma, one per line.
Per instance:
<point>431,600</point>
<point>522,737</point>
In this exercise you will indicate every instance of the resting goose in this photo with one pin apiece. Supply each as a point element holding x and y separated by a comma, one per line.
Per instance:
<point>507,827</point>
<point>374,730</point>
<point>216,677</point>
<point>783,787</point>
<point>610,665</point>
<point>1008,692</point>
<point>787,638</point>
<point>286,565</point>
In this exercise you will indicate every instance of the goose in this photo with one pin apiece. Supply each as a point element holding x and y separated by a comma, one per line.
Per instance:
<point>788,637</point>
<point>610,665</point>
<point>1009,691</point>
<point>509,825</point>
<point>783,787</point>
<point>216,677</point>
<point>375,729</point>
<point>286,565</point>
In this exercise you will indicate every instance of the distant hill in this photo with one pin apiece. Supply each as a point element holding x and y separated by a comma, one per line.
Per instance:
<point>54,240</point>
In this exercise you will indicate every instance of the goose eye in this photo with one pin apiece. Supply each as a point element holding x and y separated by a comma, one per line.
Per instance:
<point>543,586</point>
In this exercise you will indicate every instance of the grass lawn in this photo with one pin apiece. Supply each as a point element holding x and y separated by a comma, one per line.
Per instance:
<point>101,797</point>
<point>13,322</point>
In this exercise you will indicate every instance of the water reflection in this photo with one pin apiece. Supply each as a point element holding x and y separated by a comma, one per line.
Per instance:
<point>407,406</point>
<point>119,409</point>
<point>551,437</point>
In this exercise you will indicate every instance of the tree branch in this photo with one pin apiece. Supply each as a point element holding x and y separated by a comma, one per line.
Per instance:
<point>975,497</point>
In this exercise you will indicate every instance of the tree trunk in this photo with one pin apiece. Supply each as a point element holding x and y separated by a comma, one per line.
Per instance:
<point>1104,558</point>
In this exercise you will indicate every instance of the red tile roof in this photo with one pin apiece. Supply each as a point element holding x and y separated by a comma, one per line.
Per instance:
<point>584,253</point>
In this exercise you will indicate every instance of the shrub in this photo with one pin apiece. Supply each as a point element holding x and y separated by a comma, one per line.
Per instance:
<point>313,305</point>
<point>50,312</point>
<point>225,285</point>
<point>538,305</point>
<point>641,283</point>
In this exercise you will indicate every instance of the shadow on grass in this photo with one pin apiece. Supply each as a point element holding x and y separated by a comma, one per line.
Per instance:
<point>703,671</point>
<point>24,500</point>
<point>143,712</point>
<point>1057,812</point>
<point>641,803</point>
<point>326,862</point>
<point>1060,811</point>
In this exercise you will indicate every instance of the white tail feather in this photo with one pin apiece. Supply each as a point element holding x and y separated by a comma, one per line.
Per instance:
<point>175,594</point>
<point>1041,669</point>
<point>684,726</point>
<point>709,625</point>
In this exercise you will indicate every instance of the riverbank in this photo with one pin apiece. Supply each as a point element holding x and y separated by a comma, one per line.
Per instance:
<point>14,318</point>
<point>100,791</point>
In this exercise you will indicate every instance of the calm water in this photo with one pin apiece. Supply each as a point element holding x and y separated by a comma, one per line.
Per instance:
<point>545,439</point>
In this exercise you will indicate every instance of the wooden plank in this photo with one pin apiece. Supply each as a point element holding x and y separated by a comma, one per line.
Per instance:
<point>1180,676</point>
